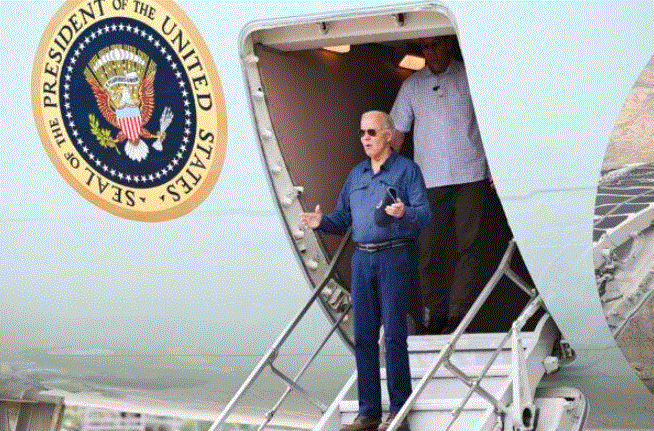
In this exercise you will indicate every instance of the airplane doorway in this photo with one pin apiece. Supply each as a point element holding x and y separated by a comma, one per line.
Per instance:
<point>312,98</point>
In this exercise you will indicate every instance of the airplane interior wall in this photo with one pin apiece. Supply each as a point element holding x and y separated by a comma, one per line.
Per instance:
<point>315,99</point>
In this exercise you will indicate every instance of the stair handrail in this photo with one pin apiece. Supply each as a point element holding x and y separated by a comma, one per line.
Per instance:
<point>289,389</point>
<point>273,351</point>
<point>443,357</point>
<point>530,309</point>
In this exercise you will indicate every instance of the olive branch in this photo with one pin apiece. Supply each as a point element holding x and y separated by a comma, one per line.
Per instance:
<point>102,135</point>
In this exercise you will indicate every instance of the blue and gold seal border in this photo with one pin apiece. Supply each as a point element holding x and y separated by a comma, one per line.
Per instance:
<point>176,89</point>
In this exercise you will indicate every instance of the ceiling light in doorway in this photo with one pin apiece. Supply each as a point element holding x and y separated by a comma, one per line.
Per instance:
<point>413,62</point>
<point>338,48</point>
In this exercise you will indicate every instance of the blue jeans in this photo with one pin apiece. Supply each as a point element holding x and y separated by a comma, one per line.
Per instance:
<point>380,291</point>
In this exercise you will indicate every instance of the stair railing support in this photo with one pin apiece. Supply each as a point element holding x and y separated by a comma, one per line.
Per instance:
<point>322,408</point>
<point>523,410</point>
<point>449,347</point>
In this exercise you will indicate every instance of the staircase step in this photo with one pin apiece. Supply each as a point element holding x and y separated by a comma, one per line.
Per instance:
<point>472,350</point>
<point>462,361</point>
<point>430,415</point>
<point>444,387</point>
<point>442,405</point>
<point>480,342</point>
<point>444,373</point>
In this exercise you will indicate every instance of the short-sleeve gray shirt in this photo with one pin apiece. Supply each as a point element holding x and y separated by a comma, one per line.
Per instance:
<point>447,143</point>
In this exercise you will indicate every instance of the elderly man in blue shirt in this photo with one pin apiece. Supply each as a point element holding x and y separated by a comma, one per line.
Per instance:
<point>384,200</point>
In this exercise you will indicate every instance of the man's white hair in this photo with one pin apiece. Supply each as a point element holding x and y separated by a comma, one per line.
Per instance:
<point>386,118</point>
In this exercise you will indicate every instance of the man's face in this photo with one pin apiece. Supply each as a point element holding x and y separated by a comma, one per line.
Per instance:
<point>437,51</point>
<point>377,146</point>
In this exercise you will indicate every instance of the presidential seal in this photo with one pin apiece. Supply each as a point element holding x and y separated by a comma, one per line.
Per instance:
<point>129,106</point>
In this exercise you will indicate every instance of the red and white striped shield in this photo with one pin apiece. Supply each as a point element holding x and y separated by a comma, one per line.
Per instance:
<point>129,120</point>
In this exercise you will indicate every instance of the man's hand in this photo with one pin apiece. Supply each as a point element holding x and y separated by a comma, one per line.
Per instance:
<point>312,220</point>
<point>396,210</point>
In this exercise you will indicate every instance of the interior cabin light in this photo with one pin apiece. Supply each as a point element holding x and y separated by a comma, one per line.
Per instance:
<point>413,62</point>
<point>342,49</point>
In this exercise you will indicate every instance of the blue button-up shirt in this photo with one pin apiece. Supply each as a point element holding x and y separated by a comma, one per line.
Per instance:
<point>364,190</point>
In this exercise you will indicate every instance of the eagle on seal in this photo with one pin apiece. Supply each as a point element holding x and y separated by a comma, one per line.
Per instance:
<point>128,113</point>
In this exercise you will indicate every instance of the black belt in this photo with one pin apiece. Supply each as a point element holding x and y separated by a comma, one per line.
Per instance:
<point>376,246</point>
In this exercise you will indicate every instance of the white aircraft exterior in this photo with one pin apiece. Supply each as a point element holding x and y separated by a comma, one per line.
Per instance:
<point>108,302</point>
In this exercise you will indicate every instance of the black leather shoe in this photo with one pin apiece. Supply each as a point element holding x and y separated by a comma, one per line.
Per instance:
<point>404,425</point>
<point>362,423</point>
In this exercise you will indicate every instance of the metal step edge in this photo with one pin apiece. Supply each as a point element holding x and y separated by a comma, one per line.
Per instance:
<point>479,342</point>
<point>444,373</point>
<point>443,404</point>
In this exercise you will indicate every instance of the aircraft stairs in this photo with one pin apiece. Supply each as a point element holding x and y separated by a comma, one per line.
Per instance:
<point>461,381</point>
<point>448,402</point>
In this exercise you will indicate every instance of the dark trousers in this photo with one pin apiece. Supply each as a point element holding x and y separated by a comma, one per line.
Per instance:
<point>380,290</point>
<point>463,205</point>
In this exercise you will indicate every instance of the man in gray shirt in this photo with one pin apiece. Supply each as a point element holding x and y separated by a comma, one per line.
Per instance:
<point>435,101</point>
